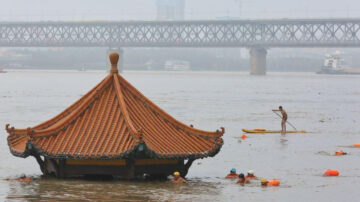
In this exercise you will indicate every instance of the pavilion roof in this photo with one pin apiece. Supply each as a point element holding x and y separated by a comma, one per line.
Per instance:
<point>112,121</point>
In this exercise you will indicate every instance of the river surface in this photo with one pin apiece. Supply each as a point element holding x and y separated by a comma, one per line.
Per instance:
<point>328,106</point>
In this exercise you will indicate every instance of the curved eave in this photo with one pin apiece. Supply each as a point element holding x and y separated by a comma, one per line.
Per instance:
<point>22,154</point>
<point>123,155</point>
<point>18,145</point>
<point>126,154</point>
<point>189,155</point>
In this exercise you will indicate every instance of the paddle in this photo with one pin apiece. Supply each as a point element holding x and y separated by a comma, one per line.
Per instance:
<point>286,120</point>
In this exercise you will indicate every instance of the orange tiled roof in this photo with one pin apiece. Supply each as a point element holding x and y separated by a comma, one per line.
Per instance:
<point>110,122</point>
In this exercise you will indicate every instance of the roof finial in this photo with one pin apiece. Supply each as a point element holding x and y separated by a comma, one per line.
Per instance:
<point>7,127</point>
<point>114,58</point>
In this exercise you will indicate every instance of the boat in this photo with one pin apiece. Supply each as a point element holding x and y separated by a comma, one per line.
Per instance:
<point>177,65</point>
<point>2,70</point>
<point>334,64</point>
<point>82,69</point>
<point>256,130</point>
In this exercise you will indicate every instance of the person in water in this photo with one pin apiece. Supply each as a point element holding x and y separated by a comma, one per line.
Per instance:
<point>340,152</point>
<point>242,180</point>
<point>22,178</point>
<point>232,174</point>
<point>264,182</point>
<point>284,118</point>
<point>178,179</point>
<point>250,175</point>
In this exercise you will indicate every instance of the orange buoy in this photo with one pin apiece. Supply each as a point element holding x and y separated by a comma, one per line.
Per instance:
<point>356,145</point>
<point>331,172</point>
<point>274,182</point>
<point>244,136</point>
<point>340,152</point>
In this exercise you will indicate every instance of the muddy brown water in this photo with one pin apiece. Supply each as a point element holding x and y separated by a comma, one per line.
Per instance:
<point>325,105</point>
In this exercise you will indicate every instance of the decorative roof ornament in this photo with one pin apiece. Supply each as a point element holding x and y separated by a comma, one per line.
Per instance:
<point>114,59</point>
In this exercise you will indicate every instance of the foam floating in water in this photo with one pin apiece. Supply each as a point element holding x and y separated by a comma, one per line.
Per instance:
<point>331,172</point>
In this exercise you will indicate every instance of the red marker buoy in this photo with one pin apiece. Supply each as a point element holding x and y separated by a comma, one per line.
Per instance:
<point>331,172</point>
<point>244,136</point>
<point>274,182</point>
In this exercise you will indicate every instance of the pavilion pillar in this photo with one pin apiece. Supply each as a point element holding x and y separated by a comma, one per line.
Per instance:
<point>41,163</point>
<point>61,168</point>
<point>119,51</point>
<point>130,169</point>
<point>258,61</point>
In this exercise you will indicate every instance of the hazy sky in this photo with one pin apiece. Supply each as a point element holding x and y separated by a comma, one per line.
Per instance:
<point>34,10</point>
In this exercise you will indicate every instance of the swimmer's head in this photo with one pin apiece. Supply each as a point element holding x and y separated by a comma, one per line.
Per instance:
<point>22,176</point>
<point>251,172</point>
<point>241,176</point>
<point>280,107</point>
<point>263,181</point>
<point>233,170</point>
<point>176,173</point>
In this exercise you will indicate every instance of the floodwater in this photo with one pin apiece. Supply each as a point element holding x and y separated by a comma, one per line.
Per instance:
<point>326,105</point>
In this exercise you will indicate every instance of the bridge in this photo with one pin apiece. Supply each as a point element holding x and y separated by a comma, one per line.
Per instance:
<point>257,35</point>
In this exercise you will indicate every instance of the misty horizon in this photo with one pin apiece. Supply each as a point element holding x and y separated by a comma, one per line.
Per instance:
<point>111,10</point>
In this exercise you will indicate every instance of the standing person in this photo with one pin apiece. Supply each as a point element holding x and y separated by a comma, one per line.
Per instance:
<point>177,178</point>
<point>284,118</point>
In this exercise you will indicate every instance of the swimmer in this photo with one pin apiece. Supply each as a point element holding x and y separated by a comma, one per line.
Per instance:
<point>264,182</point>
<point>178,179</point>
<point>340,152</point>
<point>232,174</point>
<point>242,180</point>
<point>250,175</point>
<point>22,178</point>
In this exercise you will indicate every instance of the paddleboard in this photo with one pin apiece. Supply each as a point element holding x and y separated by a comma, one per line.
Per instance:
<point>271,131</point>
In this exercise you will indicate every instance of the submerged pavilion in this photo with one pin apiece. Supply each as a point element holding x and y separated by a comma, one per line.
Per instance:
<point>113,130</point>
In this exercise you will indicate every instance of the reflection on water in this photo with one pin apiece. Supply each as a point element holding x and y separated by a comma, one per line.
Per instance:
<point>326,105</point>
<point>54,189</point>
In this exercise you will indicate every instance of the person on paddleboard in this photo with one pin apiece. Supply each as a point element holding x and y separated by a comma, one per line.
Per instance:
<point>284,118</point>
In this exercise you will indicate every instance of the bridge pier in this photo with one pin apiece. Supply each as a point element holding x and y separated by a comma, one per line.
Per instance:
<point>119,51</point>
<point>258,61</point>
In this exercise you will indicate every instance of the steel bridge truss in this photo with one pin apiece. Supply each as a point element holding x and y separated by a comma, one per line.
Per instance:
<point>250,33</point>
